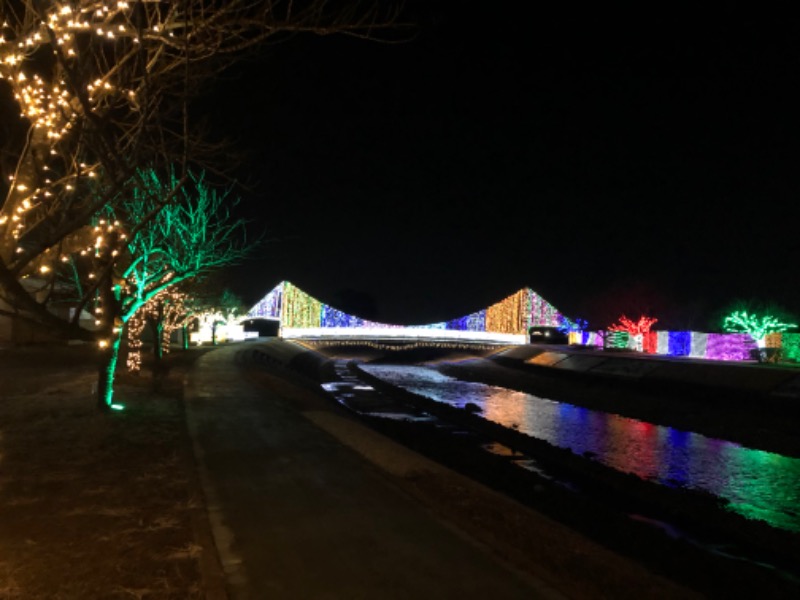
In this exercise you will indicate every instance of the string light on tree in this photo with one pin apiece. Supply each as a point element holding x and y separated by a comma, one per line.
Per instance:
<point>166,312</point>
<point>635,329</point>
<point>100,97</point>
<point>756,326</point>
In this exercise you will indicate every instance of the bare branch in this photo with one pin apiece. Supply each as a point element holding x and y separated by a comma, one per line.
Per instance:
<point>100,94</point>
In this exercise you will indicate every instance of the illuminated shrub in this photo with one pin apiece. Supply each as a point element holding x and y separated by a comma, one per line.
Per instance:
<point>790,343</point>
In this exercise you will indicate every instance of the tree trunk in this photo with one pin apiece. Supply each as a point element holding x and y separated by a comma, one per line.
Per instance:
<point>107,368</point>
<point>185,338</point>
<point>158,343</point>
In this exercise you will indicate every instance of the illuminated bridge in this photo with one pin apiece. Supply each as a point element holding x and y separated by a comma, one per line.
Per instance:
<point>301,316</point>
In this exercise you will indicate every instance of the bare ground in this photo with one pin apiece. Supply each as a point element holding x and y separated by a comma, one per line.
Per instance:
<point>95,504</point>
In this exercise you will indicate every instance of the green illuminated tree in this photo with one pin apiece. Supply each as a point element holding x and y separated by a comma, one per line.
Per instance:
<point>194,234</point>
<point>756,326</point>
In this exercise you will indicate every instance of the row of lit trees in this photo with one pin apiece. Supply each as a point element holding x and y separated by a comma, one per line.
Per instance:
<point>104,204</point>
<point>192,235</point>
<point>757,325</point>
<point>174,309</point>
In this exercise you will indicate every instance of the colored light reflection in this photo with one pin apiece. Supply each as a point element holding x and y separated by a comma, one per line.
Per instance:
<point>678,445</point>
<point>756,484</point>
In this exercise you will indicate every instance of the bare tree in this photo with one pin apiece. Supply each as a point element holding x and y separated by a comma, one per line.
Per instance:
<point>101,94</point>
<point>168,246</point>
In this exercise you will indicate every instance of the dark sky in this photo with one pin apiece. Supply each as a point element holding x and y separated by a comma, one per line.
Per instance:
<point>609,161</point>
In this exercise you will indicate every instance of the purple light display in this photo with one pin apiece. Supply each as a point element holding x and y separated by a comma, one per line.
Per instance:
<point>269,307</point>
<point>729,346</point>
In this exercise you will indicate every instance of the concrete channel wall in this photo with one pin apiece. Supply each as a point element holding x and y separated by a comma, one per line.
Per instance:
<point>757,405</point>
<point>740,377</point>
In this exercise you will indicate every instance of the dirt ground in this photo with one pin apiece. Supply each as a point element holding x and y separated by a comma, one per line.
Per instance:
<point>95,504</point>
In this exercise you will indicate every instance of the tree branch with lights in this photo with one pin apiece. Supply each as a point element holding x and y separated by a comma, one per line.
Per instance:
<point>635,329</point>
<point>638,327</point>
<point>165,312</point>
<point>756,326</point>
<point>95,97</point>
<point>193,235</point>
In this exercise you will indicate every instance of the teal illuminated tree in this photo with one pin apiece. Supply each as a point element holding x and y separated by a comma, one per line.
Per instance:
<point>167,244</point>
<point>756,326</point>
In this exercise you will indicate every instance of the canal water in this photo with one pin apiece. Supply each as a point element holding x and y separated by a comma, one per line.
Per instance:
<point>757,484</point>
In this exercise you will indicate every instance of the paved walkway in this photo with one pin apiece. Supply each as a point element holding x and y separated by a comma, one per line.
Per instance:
<point>302,504</point>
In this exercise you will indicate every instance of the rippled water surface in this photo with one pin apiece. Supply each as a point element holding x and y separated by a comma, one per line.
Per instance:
<point>758,484</point>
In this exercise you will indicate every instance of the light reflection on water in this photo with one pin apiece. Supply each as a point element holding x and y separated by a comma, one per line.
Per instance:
<point>757,484</point>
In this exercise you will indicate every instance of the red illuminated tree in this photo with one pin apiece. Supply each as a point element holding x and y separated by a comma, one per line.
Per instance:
<point>639,327</point>
<point>639,331</point>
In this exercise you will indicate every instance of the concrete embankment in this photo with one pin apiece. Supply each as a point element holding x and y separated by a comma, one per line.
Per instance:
<point>755,404</point>
<point>613,389</point>
<point>741,378</point>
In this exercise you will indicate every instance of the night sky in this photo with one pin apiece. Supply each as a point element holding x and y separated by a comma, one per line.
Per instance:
<point>612,162</point>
